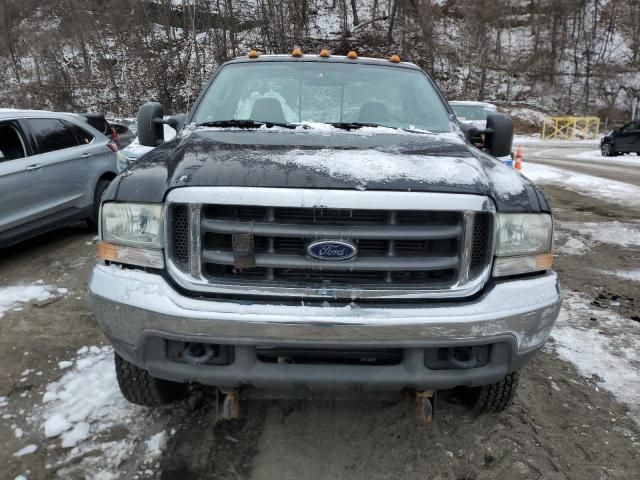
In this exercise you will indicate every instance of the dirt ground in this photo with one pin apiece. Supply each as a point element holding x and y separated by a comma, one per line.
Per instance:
<point>562,426</point>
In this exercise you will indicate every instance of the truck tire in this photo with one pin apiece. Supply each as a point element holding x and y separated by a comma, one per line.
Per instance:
<point>101,186</point>
<point>138,387</point>
<point>494,397</point>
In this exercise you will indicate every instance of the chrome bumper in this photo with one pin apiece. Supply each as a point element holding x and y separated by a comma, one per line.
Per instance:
<point>132,305</point>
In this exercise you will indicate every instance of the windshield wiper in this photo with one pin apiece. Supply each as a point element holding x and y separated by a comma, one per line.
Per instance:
<point>356,125</point>
<point>245,124</point>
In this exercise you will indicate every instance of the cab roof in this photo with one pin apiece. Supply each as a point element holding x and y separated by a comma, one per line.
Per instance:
<point>15,113</point>
<point>332,59</point>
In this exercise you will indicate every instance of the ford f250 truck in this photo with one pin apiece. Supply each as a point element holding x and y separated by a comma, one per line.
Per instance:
<point>322,223</point>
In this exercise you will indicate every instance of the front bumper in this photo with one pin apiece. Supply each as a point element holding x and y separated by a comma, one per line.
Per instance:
<point>138,311</point>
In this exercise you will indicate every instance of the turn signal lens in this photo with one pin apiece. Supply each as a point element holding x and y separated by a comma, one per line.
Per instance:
<point>352,55</point>
<point>141,257</point>
<point>507,266</point>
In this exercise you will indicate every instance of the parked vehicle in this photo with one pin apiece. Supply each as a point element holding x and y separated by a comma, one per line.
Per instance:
<point>474,113</point>
<point>622,140</point>
<point>120,134</point>
<point>54,168</point>
<point>132,152</point>
<point>323,223</point>
<point>123,134</point>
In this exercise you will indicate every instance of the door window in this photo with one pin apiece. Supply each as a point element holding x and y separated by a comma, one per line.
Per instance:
<point>51,134</point>
<point>11,143</point>
<point>80,133</point>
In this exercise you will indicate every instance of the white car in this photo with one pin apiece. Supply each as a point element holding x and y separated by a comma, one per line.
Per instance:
<point>130,154</point>
<point>474,113</point>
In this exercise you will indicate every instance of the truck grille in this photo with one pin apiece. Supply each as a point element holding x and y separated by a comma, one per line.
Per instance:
<point>397,249</point>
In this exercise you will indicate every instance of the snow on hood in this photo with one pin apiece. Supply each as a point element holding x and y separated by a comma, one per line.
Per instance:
<point>299,158</point>
<point>363,166</point>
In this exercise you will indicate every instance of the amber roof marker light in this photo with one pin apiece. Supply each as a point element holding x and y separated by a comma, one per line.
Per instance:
<point>324,53</point>
<point>296,53</point>
<point>253,54</point>
<point>394,59</point>
<point>352,55</point>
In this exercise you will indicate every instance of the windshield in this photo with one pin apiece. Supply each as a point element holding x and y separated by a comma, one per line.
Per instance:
<point>472,112</point>
<point>318,92</point>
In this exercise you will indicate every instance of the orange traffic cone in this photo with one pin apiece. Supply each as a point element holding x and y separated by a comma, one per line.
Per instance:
<point>518,164</point>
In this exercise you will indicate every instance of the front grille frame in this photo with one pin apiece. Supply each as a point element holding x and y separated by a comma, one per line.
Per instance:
<point>197,198</point>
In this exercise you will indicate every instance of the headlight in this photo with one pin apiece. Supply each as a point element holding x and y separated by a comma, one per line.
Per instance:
<point>132,234</point>
<point>523,234</point>
<point>523,243</point>
<point>133,224</point>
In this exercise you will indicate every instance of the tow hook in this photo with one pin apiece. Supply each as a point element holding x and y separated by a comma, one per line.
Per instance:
<point>231,405</point>
<point>426,401</point>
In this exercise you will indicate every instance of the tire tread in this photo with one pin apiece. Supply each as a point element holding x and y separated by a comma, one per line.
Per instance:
<point>498,396</point>
<point>138,387</point>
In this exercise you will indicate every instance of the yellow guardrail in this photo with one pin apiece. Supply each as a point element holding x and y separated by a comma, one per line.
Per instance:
<point>570,128</point>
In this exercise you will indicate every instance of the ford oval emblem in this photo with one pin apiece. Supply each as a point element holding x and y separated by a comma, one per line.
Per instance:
<point>331,250</point>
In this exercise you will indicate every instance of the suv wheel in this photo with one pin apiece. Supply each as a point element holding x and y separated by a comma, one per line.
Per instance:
<point>138,387</point>
<point>607,150</point>
<point>97,197</point>
<point>495,397</point>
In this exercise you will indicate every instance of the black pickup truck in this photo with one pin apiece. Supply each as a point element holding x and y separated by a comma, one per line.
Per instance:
<point>322,222</point>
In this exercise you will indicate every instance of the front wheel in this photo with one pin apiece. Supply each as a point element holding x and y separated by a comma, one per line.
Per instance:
<point>138,387</point>
<point>607,150</point>
<point>495,397</point>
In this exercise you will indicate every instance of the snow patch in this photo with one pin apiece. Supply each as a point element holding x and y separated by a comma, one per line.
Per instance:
<point>603,188</point>
<point>607,350</point>
<point>535,139</point>
<point>595,155</point>
<point>612,233</point>
<point>633,275</point>
<point>82,406</point>
<point>156,444</point>
<point>573,246</point>
<point>28,450</point>
<point>64,364</point>
<point>10,297</point>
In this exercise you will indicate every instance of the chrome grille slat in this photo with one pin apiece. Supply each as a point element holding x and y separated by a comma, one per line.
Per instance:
<point>362,263</point>
<point>404,251</point>
<point>427,232</point>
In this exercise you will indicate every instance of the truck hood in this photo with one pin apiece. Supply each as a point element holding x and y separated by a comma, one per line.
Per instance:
<point>366,159</point>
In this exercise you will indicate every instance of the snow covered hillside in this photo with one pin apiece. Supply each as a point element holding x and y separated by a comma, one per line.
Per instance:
<point>570,57</point>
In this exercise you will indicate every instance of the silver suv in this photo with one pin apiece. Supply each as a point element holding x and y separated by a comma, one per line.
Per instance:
<point>54,168</point>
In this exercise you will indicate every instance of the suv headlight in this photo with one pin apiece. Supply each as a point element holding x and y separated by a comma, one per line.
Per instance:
<point>132,233</point>
<point>523,243</point>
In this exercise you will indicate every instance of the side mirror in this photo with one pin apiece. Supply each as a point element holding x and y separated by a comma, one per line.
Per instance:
<point>473,134</point>
<point>176,122</point>
<point>150,130</point>
<point>499,135</point>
